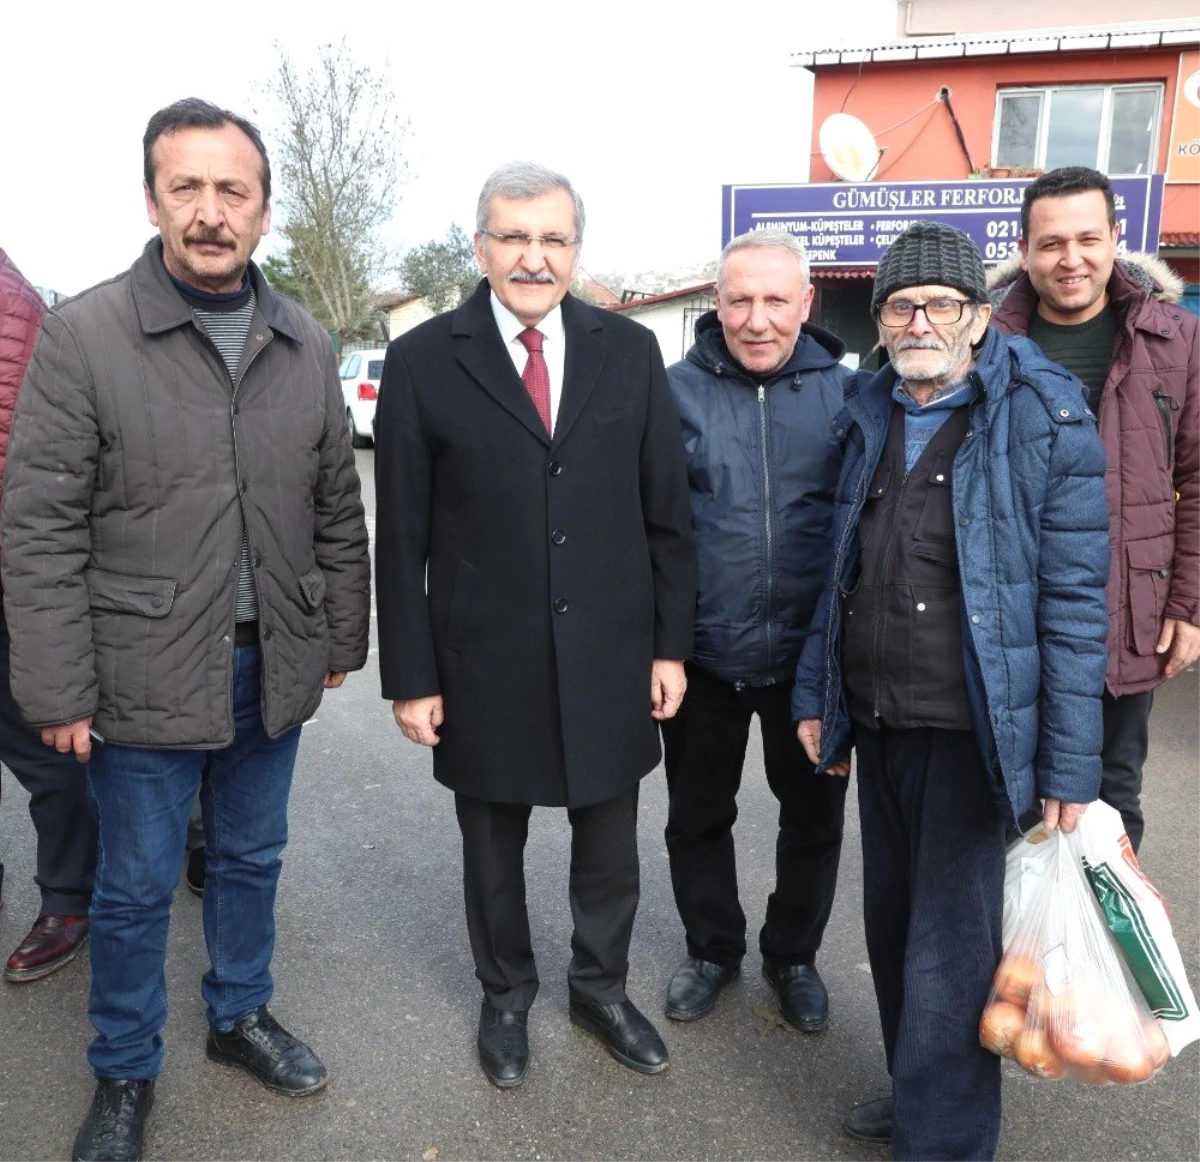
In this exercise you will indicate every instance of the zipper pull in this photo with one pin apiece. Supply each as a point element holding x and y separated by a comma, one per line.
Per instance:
<point>762,393</point>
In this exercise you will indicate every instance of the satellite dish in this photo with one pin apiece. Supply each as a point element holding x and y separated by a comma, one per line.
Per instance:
<point>848,147</point>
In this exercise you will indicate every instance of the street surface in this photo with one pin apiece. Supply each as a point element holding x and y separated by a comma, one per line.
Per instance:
<point>373,969</point>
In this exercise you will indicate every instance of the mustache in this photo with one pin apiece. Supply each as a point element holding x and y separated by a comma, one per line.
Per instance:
<point>210,237</point>
<point>542,276</point>
<point>920,345</point>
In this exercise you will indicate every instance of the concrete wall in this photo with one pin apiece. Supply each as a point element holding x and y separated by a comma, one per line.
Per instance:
<point>926,18</point>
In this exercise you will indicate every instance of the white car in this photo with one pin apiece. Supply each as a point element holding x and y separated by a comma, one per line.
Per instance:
<point>360,374</point>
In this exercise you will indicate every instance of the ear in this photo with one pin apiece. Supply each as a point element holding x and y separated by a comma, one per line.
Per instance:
<point>151,205</point>
<point>983,313</point>
<point>266,222</point>
<point>480,257</point>
<point>1023,246</point>
<point>807,302</point>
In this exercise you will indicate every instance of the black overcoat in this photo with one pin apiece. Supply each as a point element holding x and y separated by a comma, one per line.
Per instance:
<point>531,581</point>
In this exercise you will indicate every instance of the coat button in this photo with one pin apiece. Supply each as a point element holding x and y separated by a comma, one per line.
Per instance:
<point>156,602</point>
<point>939,478</point>
<point>1165,331</point>
<point>1063,412</point>
<point>964,521</point>
<point>974,619</point>
<point>265,634</point>
<point>1164,572</point>
<point>242,487</point>
<point>921,606</point>
<point>558,536</point>
<point>555,468</point>
<point>560,605</point>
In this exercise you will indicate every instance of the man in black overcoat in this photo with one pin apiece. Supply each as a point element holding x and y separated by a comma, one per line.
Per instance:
<point>536,595</point>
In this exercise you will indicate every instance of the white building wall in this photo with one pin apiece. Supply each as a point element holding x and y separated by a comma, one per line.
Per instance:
<point>673,323</point>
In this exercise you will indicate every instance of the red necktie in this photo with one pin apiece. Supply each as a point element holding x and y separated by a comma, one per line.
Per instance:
<point>536,376</point>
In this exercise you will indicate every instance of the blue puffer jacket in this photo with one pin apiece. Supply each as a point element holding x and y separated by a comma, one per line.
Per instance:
<point>1032,525</point>
<point>763,460</point>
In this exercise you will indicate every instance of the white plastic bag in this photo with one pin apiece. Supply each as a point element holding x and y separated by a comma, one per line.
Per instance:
<point>1063,1004</point>
<point>1137,916</point>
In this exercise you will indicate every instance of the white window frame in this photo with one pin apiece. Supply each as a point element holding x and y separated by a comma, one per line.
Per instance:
<point>1046,92</point>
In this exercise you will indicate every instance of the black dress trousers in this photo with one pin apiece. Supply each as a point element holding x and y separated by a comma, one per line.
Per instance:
<point>603,890</point>
<point>58,805</point>
<point>705,747</point>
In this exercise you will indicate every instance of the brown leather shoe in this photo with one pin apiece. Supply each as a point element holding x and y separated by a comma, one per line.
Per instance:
<point>53,941</point>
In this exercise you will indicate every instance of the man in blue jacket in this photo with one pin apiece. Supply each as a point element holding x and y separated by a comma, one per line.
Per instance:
<point>757,397</point>
<point>960,648</point>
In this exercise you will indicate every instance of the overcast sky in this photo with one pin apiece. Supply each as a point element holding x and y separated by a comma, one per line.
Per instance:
<point>648,107</point>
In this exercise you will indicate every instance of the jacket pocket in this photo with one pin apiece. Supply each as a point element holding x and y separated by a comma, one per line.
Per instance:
<point>1149,586</point>
<point>614,414</point>
<point>1167,404</point>
<point>457,618</point>
<point>935,525</point>
<point>127,593</point>
<point>312,588</point>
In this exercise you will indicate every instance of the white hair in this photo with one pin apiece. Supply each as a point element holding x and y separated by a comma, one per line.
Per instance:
<point>768,239</point>
<point>521,180</point>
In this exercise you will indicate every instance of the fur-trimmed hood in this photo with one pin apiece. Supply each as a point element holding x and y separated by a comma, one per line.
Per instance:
<point>1146,271</point>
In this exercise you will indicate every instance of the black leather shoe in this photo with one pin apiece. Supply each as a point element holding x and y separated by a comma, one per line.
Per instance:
<point>262,1047</point>
<point>503,1045</point>
<point>630,1038</point>
<point>871,1122</point>
<point>694,987</point>
<point>112,1131</point>
<point>197,867</point>
<point>803,1001</point>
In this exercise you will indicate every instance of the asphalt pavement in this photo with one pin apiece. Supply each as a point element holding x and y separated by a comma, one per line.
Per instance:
<point>373,969</point>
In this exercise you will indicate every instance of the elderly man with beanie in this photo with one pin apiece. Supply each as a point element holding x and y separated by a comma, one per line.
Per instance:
<point>959,647</point>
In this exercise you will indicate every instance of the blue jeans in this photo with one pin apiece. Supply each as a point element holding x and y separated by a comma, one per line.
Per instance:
<point>142,799</point>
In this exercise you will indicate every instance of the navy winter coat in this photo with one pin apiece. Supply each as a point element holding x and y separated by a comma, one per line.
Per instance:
<point>1032,539</point>
<point>762,463</point>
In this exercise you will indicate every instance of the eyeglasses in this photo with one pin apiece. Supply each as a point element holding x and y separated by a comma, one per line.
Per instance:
<point>519,241</point>
<point>900,312</point>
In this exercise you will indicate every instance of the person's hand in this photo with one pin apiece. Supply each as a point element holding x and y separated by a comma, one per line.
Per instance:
<point>808,731</point>
<point>334,678</point>
<point>1063,816</point>
<point>668,683</point>
<point>1183,640</point>
<point>419,718</point>
<point>70,736</point>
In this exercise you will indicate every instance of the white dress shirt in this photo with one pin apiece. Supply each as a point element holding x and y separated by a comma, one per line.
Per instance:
<point>554,347</point>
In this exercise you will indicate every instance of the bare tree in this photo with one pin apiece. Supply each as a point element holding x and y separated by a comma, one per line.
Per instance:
<point>337,152</point>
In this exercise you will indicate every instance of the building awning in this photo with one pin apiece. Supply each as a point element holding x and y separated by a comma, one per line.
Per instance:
<point>842,272</point>
<point>1188,238</point>
<point>1096,39</point>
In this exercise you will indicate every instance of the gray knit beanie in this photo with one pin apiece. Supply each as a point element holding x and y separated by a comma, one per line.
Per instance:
<point>931,254</point>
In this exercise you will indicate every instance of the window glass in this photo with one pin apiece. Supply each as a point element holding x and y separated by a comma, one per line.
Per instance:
<point>375,369</point>
<point>1133,117</point>
<point>1074,137</point>
<point>350,367</point>
<point>1020,114</point>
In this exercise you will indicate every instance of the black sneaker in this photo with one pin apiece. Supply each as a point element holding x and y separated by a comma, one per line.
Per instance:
<point>197,867</point>
<point>268,1052</point>
<point>112,1131</point>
